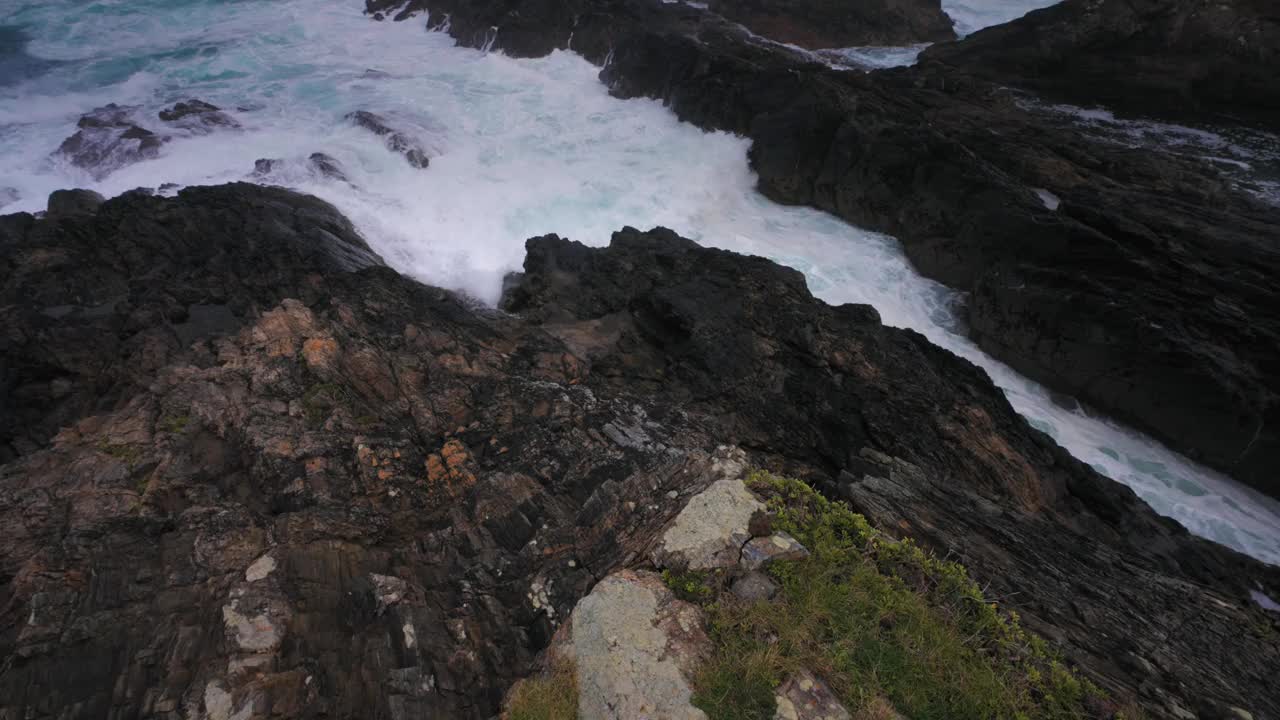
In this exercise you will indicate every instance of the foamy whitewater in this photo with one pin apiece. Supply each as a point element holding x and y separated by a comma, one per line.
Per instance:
<point>521,148</point>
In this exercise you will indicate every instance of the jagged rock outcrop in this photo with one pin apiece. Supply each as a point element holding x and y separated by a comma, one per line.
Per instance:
<point>1170,57</point>
<point>250,471</point>
<point>1142,286</point>
<point>839,23</point>
<point>198,117</point>
<point>106,139</point>
<point>114,136</point>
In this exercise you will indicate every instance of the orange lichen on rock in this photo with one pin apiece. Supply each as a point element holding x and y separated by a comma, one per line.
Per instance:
<point>447,471</point>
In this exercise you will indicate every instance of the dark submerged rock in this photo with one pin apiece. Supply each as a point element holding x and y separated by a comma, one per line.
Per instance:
<point>840,23</point>
<point>326,165</point>
<point>397,141</point>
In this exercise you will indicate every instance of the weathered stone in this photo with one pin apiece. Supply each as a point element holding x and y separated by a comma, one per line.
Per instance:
<point>754,587</point>
<point>804,696</point>
<point>635,648</point>
<point>261,568</point>
<point>759,552</point>
<point>710,531</point>
<point>74,202</point>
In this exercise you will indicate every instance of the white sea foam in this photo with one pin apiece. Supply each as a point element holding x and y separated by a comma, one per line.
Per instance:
<point>522,148</point>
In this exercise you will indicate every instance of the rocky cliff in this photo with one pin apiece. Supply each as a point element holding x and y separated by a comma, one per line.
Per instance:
<point>1136,280</point>
<point>249,471</point>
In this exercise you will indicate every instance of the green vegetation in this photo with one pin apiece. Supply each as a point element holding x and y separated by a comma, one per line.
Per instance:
<point>550,696</point>
<point>689,585</point>
<point>173,423</point>
<point>879,619</point>
<point>128,454</point>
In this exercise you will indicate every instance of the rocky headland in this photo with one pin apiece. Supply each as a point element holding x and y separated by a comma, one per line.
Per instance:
<point>250,471</point>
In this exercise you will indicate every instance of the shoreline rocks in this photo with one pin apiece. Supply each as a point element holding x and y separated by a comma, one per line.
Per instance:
<point>1143,290</point>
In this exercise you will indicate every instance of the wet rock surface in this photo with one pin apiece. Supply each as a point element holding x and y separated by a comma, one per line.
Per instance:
<point>250,471</point>
<point>107,139</point>
<point>1142,288</point>
<point>1172,57</point>
<point>114,136</point>
<point>833,24</point>
<point>198,117</point>
<point>398,141</point>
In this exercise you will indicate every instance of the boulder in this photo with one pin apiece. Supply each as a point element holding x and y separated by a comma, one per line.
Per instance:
<point>758,553</point>
<point>754,587</point>
<point>711,529</point>
<point>635,649</point>
<point>73,202</point>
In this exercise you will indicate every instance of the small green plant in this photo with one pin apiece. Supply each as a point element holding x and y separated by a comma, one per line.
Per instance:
<point>128,454</point>
<point>880,620</point>
<point>173,423</point>
<point>550,696</point>
<point>689,585</point>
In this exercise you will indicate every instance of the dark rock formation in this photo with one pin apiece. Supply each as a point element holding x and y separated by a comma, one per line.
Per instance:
<point>1172,57</point>
<point>397,141</point>
<point>1144,290</point>
<point>107,139</point>
<point>198,116</point>
<point>248,469</point>
<point>841,23</point>
<point>74,202</point>
<point>319,163</point>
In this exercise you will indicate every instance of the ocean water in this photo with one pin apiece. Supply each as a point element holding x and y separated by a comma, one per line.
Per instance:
<point>520,148</point>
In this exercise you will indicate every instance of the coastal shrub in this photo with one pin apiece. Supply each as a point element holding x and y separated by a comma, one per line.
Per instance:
<point>879,619</point>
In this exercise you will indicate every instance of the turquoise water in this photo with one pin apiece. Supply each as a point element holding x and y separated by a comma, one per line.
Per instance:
<point>520,148</point>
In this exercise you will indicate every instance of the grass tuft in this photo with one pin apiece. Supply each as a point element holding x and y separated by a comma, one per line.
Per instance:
<point>550,696</point>
<point>887,625</point>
